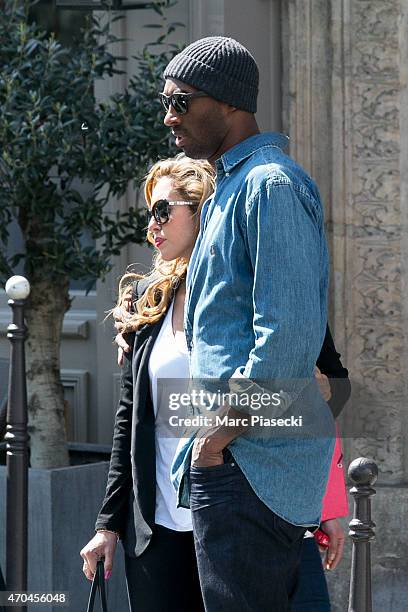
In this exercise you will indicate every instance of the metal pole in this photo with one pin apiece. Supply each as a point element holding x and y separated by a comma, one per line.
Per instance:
<point>17,289</point>
<point>363,473</point>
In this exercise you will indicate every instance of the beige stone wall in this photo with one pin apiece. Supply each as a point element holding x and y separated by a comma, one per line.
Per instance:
<point>344,79</point>
<point>346,110</point>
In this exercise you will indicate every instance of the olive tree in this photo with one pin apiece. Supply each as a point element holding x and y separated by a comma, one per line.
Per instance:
<point>56,181</point>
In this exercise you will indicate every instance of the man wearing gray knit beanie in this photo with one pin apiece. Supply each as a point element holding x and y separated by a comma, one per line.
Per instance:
<point>226,77</point>
<point>255,314</point>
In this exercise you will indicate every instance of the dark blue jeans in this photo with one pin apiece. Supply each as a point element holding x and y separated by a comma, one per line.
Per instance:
<point>247,556</point>
<point>311,594</point>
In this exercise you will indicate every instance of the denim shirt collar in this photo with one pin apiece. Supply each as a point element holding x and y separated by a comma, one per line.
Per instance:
<point>246,148</point>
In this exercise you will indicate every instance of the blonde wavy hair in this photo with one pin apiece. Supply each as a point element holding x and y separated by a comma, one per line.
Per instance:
<point>194,180</point>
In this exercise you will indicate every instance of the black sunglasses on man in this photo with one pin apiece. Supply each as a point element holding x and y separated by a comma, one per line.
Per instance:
<point>180,100</point>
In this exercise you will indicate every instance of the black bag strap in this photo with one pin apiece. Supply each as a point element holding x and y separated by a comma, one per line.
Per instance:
<point>98,583</point>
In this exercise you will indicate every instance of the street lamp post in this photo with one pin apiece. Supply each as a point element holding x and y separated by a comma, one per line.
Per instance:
<point>17,289</point>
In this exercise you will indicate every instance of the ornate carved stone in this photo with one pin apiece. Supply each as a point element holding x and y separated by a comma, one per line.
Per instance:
<point>344,56</point>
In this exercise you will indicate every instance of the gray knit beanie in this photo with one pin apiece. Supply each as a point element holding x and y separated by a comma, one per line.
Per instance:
<point>221,67</point>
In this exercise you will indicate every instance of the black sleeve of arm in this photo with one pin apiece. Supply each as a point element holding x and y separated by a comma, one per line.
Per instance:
<point>329,363</point>
<point>112,514</point>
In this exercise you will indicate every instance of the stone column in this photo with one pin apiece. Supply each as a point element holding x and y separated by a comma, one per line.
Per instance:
<point>346,110</point>
<point>256,24</point>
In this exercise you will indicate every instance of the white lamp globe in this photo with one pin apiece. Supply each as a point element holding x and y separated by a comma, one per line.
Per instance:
<point>18,288</point>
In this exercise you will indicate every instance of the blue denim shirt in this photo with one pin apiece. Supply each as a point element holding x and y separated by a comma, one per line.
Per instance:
<point>257,304</point>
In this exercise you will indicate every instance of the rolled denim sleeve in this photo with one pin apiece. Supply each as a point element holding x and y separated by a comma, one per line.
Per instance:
<point>288,253</point>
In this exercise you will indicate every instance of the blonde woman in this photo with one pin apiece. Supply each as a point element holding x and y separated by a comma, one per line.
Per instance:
<point>140,501</point>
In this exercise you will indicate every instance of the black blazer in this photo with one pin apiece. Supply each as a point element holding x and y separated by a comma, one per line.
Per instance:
<point>130,499</point>
<point>329,363</point>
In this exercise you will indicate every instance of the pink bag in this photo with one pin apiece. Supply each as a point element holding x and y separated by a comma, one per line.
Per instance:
<point>335,503</point>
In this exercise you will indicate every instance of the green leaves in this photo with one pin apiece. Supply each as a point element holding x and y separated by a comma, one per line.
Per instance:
<point>56,180</point>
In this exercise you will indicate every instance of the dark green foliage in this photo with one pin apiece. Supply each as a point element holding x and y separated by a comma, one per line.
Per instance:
<point>47,161</point>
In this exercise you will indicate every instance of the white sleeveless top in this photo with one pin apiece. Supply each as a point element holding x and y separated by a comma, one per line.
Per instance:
<point>168,359</point>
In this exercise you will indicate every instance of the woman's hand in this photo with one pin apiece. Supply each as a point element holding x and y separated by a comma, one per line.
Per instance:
<point>120,314</point>
<point>334,552</point>
<point>103,544</point>
<point>324,384</point>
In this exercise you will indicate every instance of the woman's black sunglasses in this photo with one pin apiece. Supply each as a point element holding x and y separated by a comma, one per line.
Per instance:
<point>180,101</point>
<point>161,210</point>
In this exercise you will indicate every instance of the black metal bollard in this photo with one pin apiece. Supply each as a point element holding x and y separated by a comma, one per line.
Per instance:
<point>363,473</point>
<point>18,289</point>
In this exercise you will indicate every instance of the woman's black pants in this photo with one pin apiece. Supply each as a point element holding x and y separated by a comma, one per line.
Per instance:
<point>165,577</point>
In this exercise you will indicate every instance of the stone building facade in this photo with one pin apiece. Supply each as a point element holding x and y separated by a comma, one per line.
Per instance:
<point>345,105</point>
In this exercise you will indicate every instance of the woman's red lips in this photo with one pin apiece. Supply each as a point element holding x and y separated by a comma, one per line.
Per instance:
<point>158,241</point>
